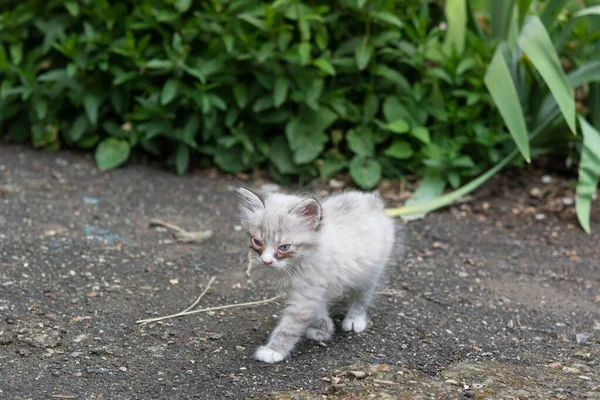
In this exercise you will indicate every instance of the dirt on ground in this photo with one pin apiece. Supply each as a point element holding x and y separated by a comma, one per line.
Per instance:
<point>497,298</point>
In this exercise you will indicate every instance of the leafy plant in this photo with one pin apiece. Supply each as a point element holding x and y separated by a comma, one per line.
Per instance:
<point>379,88</point>
<point>532,93</point>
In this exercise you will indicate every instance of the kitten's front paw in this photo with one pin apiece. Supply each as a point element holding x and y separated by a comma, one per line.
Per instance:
<point>357,323</point>
<point>268,355</point>
<point>318,334</point>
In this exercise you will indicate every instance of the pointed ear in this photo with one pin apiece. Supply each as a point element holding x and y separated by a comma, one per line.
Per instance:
<point>250,201</point>
<point>310,211</point>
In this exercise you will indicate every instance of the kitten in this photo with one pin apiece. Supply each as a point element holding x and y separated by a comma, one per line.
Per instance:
<point>324,250</point>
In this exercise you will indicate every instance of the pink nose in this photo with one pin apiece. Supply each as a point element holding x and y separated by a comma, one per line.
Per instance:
<point>268,262</point>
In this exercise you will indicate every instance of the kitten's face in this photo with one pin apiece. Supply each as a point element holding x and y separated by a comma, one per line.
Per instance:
<point>282,229</point>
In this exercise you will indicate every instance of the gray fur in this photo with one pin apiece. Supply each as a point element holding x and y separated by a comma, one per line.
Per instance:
<point>339,246</point>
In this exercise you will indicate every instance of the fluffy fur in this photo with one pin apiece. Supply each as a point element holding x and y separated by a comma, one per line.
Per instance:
<point>338,246</point>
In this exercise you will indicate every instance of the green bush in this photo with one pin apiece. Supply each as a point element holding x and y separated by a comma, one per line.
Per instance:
<point>308,90</point>
<point>372,88</point>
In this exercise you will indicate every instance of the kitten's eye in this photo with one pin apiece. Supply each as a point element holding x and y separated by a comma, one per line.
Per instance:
<point>284,247</point>
<point>256,243</point>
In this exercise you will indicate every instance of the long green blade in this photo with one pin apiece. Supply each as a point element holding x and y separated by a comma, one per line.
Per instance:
<point>589,173</point>
<point>502,89</point>
<point>536,43</point>
<point>588,72</point>
<point>418,210</point>
<point>500,15</point>
<point>594,10</point>
<point>456,14</point>
<point>431,187</point>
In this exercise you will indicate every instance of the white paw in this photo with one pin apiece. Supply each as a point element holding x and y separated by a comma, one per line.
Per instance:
<point>268,355</point>
<point>318,334</point>
<point>357,323</point>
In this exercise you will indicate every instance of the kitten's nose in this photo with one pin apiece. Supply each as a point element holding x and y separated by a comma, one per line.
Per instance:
<point>268,262</point>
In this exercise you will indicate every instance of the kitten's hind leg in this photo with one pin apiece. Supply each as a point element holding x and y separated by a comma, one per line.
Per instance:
<point>321,327</point>
<point>356,318</point>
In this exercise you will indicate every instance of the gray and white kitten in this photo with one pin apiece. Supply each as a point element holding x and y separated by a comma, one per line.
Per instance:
<point>325,250</point>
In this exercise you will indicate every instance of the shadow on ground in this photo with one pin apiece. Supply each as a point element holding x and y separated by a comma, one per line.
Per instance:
<point>495,302</point>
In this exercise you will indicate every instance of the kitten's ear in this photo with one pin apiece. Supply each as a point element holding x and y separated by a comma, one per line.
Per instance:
<point>310,211</point>
<point>250,201</point>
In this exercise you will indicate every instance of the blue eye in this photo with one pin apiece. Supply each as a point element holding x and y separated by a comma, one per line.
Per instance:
<point>284,247</point>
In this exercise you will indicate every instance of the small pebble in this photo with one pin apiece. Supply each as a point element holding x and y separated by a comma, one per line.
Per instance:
<point>336,184</point>
<point>568,201</point>
<point>358,374</point>
<point>582,338</point>
<point>546,179</point>
<point>535,193</point>
<point>452,382</point>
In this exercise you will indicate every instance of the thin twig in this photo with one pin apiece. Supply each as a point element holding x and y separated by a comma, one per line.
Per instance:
<point>159,222</point>
<point>252,303</point>
<point>212,279</point>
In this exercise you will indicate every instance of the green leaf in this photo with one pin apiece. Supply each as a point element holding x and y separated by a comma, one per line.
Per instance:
<point>169,91</point>
<point>500,85</point>
<point>182,159</point>
<point>78,128</point>
<point>365,172</point>
<point>281,156</point>
<point>332,164</point>
<point>325,66</point>
<point>421,133</point>
<point>183,5</point>
<point>159,64</point>
<point>588,72</point>
<point>314,145</point>
<point>387,17</point>
<point>393,76</point>
<point>304,53</point>
<point>229,160</point>
<point>370,107</point>
<point>91,104</point>
<point>240,92</point>
<point>536,43</point>
<point>363,54</point>
<point>456,35</point>
<point>431,187</point>
<point>398,126</point>
<point>40,107</point>
<point>16,53</point>
<point>360,140</point>
<point>262,104</point>
<point>463,162</point>
<point>280,91</point>
<point>252,20</point>
<point>72,7</point>
<point>589,173</point>
<point>111,153</point>
<point>399,149</point>
<point>594,10</point>
<point>392,109</point>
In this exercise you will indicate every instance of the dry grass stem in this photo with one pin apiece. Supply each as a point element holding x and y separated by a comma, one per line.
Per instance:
<point>189,310</point>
